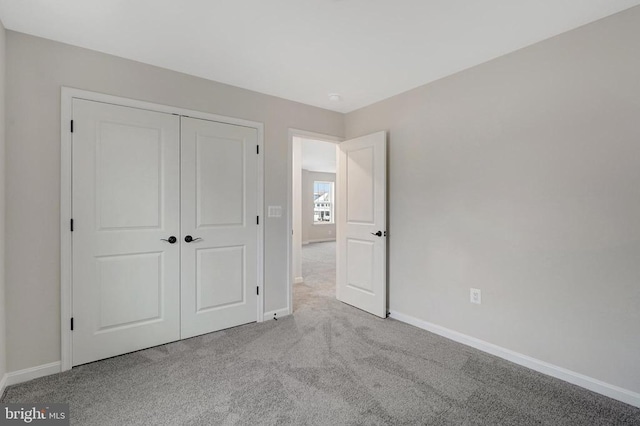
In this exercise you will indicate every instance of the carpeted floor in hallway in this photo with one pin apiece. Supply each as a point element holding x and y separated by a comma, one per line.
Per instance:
<point>319,273</point>
<point>328,364</point>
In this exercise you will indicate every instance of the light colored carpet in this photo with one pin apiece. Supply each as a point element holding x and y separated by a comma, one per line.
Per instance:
<point>319,273</point>
<point>327,364</point>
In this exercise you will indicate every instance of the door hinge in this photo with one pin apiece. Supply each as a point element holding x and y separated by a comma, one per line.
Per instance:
<point>258,149</point>
<point>258,291</point>
<point>71,323</point>
<point>71,225</point>
<point>257,220</point>
<point>71,126</point>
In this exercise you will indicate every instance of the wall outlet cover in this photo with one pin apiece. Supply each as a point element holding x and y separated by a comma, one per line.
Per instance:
<point>476,296</point>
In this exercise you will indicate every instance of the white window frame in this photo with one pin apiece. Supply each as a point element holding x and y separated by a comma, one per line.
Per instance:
<point>333,205</point>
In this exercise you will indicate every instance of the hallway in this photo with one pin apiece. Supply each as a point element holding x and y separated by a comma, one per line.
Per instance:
<point>319,273</point>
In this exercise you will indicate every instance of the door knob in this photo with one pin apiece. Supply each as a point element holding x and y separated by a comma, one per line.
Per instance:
<point>377,234</point>
<point>189,239</point>
<point>170,240</point>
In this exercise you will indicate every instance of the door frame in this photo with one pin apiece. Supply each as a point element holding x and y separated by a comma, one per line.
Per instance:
<point>308,135</point>
<point>66,247</point>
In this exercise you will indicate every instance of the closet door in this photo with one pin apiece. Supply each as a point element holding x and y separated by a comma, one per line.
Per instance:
<point>126,206</point>
<point>219,229</point>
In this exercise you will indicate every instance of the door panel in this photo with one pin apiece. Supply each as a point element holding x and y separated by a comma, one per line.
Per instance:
<point>137,276</point>
<point>126,198</point>
<point>359,256</point>
<point>361,223</point>
<point>220,185</point>
<point>219,277</point>
<point>219,208</point>
<point>360,189</point>
<point>128,157</point>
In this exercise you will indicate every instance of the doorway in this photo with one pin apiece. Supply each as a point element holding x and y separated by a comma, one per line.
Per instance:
<point>356,202</point>
<point>312,212</point>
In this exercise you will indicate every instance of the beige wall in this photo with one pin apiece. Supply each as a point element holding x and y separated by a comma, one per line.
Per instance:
<point>36,69</point>
<point>3,343</point>
<point>521,177</point>
<point>311,232</point>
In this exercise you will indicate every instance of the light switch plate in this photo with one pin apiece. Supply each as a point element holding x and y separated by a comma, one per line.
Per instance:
<point>274,211</point>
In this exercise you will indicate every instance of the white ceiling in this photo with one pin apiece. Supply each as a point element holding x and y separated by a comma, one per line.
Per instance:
<point>318,156</point>
<point>365,50</point>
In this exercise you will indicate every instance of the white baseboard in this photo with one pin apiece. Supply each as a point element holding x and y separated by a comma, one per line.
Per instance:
<point>27,374</point>
<point>278,314</point>
<point>595,385</point>
<point>323,240</point>
<point>3,384</point>
<point>298,280</point>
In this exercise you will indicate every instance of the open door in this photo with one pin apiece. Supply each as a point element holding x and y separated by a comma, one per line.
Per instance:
<point>361,223</point>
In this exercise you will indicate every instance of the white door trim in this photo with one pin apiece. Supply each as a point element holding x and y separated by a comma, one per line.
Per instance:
<point>66,296</point>
<point>301,134</point>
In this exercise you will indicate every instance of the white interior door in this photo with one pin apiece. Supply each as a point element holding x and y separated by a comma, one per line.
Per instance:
<point>126,200</point>
<point>219,212</point>
<point>361,223</point>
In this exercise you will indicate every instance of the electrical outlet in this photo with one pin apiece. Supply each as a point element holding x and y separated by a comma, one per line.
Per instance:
<point>476,296</point>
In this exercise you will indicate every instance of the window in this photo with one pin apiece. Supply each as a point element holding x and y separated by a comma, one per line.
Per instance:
<point>322,202</point>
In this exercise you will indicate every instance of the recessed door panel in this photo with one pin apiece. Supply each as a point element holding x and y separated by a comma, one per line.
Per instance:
<point>219,213</point>
<point>220,186</point>
<point>126,200</point>
<point>360,255</point>
<point>128,157</point>
<point>130,289</point>
<point>360,192</point>
<point>220,277</point>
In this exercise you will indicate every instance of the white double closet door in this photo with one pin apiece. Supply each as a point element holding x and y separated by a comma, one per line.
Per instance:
<point>140,178</point>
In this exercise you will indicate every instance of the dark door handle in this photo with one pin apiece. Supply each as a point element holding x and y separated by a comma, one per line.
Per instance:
<point>189,239</point>
<point>170,240</point>
<point>377,234</point>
